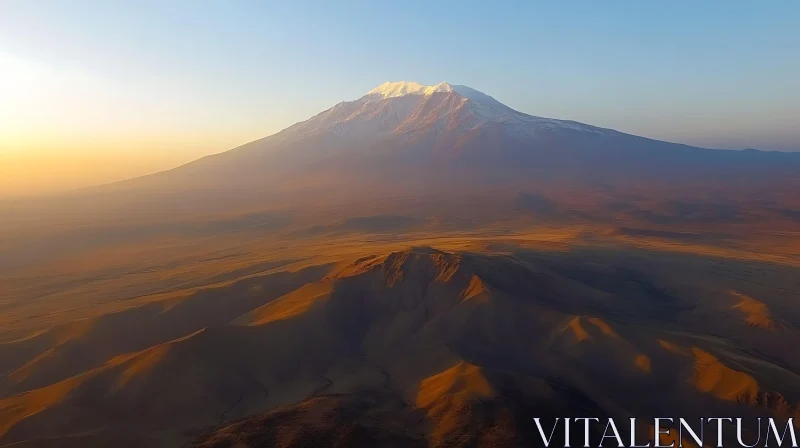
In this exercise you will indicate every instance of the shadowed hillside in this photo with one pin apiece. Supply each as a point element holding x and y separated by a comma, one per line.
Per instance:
<point>417,346</point>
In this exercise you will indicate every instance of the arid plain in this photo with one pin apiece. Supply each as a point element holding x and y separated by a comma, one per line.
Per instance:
<point>409,331</point>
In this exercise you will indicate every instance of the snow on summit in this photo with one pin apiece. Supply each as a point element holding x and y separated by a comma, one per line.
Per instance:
<point>402,88</point>
<point>406,107</point>
<point>480,107</point>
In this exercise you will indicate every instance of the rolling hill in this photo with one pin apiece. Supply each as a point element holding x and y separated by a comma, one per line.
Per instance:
<point>418,347</point>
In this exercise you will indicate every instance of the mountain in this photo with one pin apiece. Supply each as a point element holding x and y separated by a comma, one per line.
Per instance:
<point>451,143</point>
<point>407,156</point>
<point>403,135</point>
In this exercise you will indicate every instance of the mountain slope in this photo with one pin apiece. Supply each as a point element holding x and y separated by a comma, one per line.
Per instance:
<point>447,143</point>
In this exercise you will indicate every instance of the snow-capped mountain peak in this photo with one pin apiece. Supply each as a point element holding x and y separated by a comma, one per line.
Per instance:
<point>398,89</point>
<point>402,88</point>
<point>404,107</point>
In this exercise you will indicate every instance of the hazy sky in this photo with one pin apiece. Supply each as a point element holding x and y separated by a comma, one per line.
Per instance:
<point>92,91</point>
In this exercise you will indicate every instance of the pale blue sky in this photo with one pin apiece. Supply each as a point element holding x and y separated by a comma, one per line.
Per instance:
<point>190,77</point>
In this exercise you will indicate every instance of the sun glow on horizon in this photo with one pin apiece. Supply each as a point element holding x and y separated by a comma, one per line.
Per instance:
<point>63,128</point>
